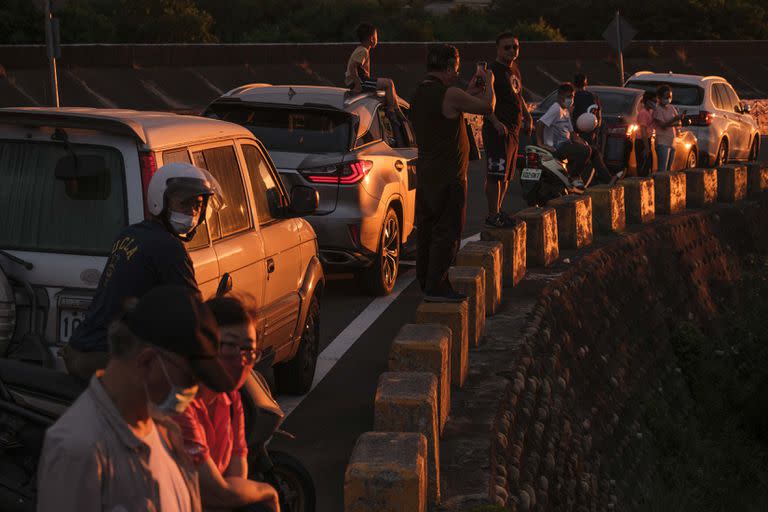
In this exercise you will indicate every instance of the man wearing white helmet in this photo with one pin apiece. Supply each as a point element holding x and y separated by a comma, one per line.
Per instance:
<point>145,255</point>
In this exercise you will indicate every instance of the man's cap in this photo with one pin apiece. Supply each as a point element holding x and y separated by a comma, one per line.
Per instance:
<point>174,318</point>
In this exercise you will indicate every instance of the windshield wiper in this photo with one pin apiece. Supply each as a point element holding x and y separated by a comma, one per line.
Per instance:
<point>16,259</point>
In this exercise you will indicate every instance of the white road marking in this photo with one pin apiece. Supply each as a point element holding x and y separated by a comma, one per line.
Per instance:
<point>349,336</point>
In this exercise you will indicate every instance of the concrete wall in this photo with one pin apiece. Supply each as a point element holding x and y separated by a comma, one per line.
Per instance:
<point>566,429</point>
<point>187,77</point>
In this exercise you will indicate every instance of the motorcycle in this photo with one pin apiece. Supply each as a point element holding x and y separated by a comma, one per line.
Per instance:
<point>545,177</point>
<point>33,397</point>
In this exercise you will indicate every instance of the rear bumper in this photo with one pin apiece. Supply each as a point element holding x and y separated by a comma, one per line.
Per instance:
<point>339,259</point>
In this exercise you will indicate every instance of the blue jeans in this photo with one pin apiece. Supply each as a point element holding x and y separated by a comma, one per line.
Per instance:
<point>665,156</point>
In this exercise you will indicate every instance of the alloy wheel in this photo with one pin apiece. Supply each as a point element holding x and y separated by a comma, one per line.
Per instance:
<point>390,250</point>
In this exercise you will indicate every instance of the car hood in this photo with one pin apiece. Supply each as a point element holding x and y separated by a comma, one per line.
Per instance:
<point>286,160</point>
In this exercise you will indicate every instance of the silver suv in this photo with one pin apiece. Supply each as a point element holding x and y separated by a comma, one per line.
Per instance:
<point>721,122</point>
<point>59,226</point>
<point>361,163</point>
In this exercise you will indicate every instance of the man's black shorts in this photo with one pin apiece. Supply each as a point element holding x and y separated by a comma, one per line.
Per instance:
<point>500,153</point>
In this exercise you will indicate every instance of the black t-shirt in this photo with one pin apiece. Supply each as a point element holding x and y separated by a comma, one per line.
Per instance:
<point>508,87</point>
<point>582,101</point>
<point>145,255</point>
<point>443,143</point>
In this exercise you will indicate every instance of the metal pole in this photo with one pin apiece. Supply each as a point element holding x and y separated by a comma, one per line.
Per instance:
<point>49,43</point>
<point>621,52</point>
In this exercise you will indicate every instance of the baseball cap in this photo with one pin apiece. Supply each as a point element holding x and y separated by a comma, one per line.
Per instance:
<point>175,318</point>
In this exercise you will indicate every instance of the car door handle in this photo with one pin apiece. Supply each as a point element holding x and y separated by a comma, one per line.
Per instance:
<point>399,165</point>
<point>270,265</point>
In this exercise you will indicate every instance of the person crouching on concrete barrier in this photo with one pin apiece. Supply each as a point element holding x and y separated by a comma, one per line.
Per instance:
<point>643,149</point>
<point>213,426</point>
<point>358,73</point>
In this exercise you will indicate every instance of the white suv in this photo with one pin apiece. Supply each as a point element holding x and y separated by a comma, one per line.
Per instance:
<point>58,227</point>
<point>721,122</point>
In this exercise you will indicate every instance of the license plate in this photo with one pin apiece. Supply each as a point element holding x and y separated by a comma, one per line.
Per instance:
<point>531,174</point>
<point>69,320</point>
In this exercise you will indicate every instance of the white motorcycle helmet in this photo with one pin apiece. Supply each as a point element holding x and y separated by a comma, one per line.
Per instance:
<point>187,181</point>
<point>586,123</point>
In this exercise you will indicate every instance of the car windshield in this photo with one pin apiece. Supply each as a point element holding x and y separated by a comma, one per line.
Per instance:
<point>613,102</point>
<point>688,95</point>
<point>291,129</point>
<point>69,213</point>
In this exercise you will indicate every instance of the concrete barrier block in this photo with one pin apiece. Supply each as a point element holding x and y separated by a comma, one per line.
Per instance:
<point>407,402</point>
<point>669,188</point>
<point>639,200</point>
<point>541,236</point>
<point>489,256</point>
<point>608,211</point>
<point>426,348</point>
<point>757,178</point>
<point>454,316</point>
<point>387,473</point>
<point>731,183</point>
<point>513,256</point>
<point>700,187</point>
<point>471,282</point>
<point>574,220</point>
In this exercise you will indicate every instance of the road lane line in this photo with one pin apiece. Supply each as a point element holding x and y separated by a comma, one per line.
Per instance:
<point>349,336</point>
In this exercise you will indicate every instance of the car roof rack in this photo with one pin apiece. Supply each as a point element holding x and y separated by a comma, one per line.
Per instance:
<point>74,120</point>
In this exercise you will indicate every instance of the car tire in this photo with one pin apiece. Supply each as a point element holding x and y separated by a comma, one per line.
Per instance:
<point>295,377</point>
<point>721,158</point>
<point>754,150</point>
<point>691,160</point>
<point>379,279</point>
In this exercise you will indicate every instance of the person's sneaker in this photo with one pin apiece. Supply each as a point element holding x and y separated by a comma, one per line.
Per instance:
<point>577,183</point>
<point>494,220</point>
<point>508,220</point>
<point>448,296</point>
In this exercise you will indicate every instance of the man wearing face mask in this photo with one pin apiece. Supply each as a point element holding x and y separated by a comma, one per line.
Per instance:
<point>214,424</point>
<point>437,111</point>
<point>116,447</point>
<point>145,255</point>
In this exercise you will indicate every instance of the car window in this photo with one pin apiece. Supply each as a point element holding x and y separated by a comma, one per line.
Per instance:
<point>733,98</point>
<point>547,102</point>
<point>682,94</point>
<point>176,155</point>
<point>387,130</point>
<point>372,134</point>
<point>266,191</point>
<point>718,97</point>
<point>616,103</point>
<point>42,212</point>
<point>222,163</point>
<point>290,129</point>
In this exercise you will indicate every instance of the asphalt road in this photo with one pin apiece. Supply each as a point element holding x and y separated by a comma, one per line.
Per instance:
<point>330,418</point>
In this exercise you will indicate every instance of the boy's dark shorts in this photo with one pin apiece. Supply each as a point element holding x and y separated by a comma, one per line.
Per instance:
<point>368,85</point>
<point>500,153</point>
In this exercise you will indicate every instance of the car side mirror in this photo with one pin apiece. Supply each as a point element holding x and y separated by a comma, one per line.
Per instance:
<point>304,200</point>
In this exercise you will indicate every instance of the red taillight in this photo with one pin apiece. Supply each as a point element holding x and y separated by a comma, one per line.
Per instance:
<point>148,168</point>
<point>346,174</point>
<point>532,160</point>
<point>703,118</point>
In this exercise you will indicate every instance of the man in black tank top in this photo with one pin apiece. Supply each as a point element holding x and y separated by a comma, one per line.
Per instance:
<point>437,110</point>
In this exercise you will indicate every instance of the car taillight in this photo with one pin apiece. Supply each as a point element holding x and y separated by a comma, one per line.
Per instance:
<point>532,160</point>
<point>703,118</point>
<point>148,167</point>
<point>345,174</point>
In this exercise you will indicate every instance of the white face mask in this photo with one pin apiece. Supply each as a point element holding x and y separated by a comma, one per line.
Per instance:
<point>182,223</point>
<point>178,398</point>
<point>568,102</point>
<point>665,101</point>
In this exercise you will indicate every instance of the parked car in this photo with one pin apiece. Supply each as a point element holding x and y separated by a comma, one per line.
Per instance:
<point>362,164</point>
<point>721,122</point>
<point>617,134</point>
<point>57,230</point>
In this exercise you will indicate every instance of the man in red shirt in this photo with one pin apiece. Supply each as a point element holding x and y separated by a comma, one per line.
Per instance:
<point>213,426</point>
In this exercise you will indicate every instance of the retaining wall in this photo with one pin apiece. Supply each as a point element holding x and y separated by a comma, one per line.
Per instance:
<point>598,334</point>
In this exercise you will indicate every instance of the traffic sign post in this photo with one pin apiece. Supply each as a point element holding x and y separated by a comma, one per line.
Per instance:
<point>619,35</point>
<point>53,47</point>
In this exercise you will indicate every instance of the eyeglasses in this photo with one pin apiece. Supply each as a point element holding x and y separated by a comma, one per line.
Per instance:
<point>247,354</point>
<point>508,47</point>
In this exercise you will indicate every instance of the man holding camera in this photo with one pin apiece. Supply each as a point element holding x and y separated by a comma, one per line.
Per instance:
<point>501,129</point>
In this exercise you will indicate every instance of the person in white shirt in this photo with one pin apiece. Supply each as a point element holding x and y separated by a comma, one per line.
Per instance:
<point>555,133</point>
<point>666,120</point>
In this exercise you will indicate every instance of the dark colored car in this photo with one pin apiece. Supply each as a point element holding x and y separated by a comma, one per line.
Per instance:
<point>616,135</point>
